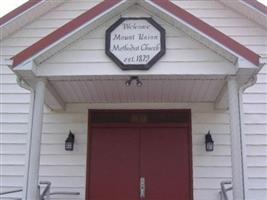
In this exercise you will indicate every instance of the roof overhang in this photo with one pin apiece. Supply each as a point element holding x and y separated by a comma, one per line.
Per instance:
<point>178,17</point>
<point>256,5</point>
<point>25,14</point>
<point>252,9</point>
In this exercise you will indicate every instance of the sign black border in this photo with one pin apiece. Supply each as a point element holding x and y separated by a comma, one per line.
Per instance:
<point>136,67</point>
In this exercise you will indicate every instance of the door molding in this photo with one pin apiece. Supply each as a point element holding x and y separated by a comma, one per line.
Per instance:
<point>187,124</point>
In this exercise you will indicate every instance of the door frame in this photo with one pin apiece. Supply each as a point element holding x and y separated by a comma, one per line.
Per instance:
<point>187,125</point>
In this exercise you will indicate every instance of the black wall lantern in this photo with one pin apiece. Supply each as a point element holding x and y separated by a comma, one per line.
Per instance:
<point>209,142</point>
<point>69,143</point>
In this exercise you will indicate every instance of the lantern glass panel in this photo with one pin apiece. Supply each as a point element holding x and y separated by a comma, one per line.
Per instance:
<point>69,146</point>
<point>209,146</point>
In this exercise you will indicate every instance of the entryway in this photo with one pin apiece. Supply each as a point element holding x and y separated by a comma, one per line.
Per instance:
<point>137,155</point>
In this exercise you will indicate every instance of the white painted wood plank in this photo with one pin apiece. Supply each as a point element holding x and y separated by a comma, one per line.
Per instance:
<point>12,89</point>
<point>12,160</point>
<point>202,183</point>
<point>257,88</point>
<point>14,128</point>
<point>257,139</point>
<point>256,150</point>
<point>257,183</point>
<point>48,24</point>
<point>257,194</point>
<point>202,194</point>
<point>32,33</point>
<point>13,149</point>
<point>80,5</point>
<point>215,118</point>
<point>19,42</point>
<point>13,118</point>
<point>208,161</point>
<point>12,171</point>
<point>255,108</point>
<point>248,40</point>
<point>255,119</point>
<point>255,129</point>
<point>198,4</point>
<point>9,181</point>
<point>256,161</point>
<point>211,173</point>
<point>13,138</point>
<point>8,79</point>
<point>15,98</point>
<point>4,69</point>
<point>63,171</point>
<point>255,98</point>
<point>214,13</point>
<point>257,172</point>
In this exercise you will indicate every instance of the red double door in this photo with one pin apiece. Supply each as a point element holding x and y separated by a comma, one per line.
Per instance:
<point>148,163</point>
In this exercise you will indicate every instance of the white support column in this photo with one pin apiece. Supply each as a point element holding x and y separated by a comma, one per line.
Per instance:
<point>31,191</point>
<point>235,124</point>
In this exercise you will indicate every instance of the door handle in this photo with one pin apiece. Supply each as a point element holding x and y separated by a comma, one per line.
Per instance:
<point>142,187</point>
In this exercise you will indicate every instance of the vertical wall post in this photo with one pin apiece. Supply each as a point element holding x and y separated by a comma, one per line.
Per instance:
<point>31,190</point>
<point>236,144</point>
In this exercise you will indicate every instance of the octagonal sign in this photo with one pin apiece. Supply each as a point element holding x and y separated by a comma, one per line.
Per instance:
<point>135,43</point>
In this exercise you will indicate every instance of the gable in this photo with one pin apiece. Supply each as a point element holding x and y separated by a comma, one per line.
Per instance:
<point>200,30</point>
<point>88,53</point>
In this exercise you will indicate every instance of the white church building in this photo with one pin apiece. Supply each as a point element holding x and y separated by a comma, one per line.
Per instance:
<point>134,100</point>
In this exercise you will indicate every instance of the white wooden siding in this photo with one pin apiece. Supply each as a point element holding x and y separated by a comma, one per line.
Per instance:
<point>14,102</point>
<point>254,37</point>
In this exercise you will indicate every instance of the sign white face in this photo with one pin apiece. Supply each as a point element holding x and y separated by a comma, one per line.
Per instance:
<point>135,42</point>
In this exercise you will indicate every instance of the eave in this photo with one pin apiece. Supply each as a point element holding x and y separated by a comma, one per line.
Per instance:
<point>252,9</point>
<point>24,14</point>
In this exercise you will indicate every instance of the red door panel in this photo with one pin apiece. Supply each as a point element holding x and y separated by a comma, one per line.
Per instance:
<point>119,157</point>
<point>114,164</point>
<point>165,163</point>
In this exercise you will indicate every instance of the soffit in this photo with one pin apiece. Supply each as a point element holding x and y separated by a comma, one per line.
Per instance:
<point>155,89</point>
